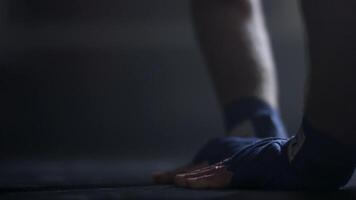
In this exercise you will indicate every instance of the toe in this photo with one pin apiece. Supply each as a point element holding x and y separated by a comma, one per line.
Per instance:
<point>218,179</point>
<point>168,176</point>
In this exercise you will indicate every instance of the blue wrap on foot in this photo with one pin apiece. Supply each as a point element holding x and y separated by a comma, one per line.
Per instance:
<point>310,160</point>
<point>265,119</point>
<point>221,148</point>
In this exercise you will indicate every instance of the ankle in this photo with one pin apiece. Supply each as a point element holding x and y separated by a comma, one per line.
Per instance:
<point>264,119</point>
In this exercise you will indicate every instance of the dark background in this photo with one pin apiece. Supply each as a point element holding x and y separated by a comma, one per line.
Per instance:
<point>85,79</point>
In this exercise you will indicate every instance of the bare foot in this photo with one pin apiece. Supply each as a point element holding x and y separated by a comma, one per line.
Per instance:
<point>209,177</point>
<point>167,177</point>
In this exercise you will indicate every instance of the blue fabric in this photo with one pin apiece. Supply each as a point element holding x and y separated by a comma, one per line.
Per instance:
<point>219,149</point>
<point>321,162</point>
<point>265,120</point>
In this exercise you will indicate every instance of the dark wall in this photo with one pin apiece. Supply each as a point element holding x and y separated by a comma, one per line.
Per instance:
<point>89,79</point>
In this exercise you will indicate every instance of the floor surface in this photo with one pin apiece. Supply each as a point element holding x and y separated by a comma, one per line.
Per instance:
<point>124,180</point>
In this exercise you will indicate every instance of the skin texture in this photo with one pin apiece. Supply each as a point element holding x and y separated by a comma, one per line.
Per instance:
<point>211,177</point>
<point>167,177</point>
<point>202,176</point>
<point>331,96</point>
<point>235,42</point>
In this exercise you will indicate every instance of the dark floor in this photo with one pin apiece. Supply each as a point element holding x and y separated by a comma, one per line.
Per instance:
<point>128,180</point>
<point>170,192</point>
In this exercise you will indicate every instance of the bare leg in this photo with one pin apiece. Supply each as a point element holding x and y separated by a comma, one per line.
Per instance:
<point>236,46</point>
<point>322,156</point>
<point>235,42</point>
<point>234,39</point>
